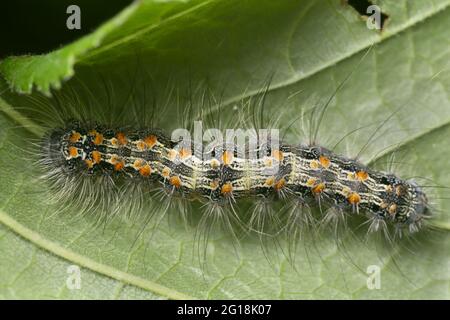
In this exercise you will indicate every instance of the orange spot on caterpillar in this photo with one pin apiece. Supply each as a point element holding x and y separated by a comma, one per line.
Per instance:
<point>89,163</point>
<point>278,155</point>
<point>150,141</point>
<point>362,175</point>
<point>175,181</point>
<point>165,172</point>
<point>324,161</point>
<point>145,171</point>
<point>227,158</point>
<point>314,164</point>
<point>354,198</point>
<point>185,153</point>
<point>280,184</point>
<point>119,165</point>
<point>227,189</point>
<point>388,188</point>
<point>114,142</point>
<point>270,181</point>
<point>96,157</point>
<point>74,137</point>
<point>98,138</point>
<point>73,152</point>
<point>319,188</point>
<point>121,138</point>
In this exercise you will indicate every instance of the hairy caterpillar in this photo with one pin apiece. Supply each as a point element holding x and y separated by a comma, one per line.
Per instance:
<point>301,172</point>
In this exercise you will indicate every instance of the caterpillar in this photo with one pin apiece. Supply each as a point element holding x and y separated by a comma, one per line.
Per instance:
<point>302,172</point>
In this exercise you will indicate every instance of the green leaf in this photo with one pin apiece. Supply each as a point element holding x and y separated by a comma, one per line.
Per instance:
<point>29,272</point>
<point>309,47</point>
<point>46,71</point>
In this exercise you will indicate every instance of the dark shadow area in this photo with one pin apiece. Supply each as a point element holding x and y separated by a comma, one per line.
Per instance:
<point>35,27</point>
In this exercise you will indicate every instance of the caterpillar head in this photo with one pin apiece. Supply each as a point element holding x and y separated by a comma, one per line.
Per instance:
<point>57,155</point>
<point>412,206</point>
<point>419,209</point>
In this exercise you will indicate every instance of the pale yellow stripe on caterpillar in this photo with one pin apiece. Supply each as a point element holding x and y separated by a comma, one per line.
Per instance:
<point>294,176</point>
<point>254,174</point>
<point>299,175</point>
<point>197,170</point>
<point>195,164</point>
